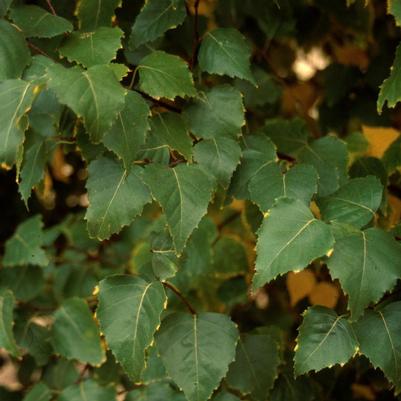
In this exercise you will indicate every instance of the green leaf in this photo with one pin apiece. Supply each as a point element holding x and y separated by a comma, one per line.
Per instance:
<point>4,6</point>
<point>7,304</point>
<point>36,22</point>
<point>16,97</point>
<point>288,135</point>
<point>92,48</point>
<point>170,129</point>
<point>219,157</point>
<point>155,392</point>
<point>289,388</point>
<point>116,197</point>
<point>129,314</point>
<point>14,53</point>
<point>128,132</point>
<point>256,365</point>
<point>329,156</point>
<point>75,334</point>
<point>394,7</point>
<point>225,396</point>
<point>26,282</point>
<point>354,203</point>
<point>87,390</point>
<point>39,392</point>
<point>94,13</point>
<point>94,94</point>
<point>269,183</point>
<point>259,153</point>
<point>225,51</point>
<point>384,347</point>
<point>36,153</point>
<point>196,351</point>
<point>289,227</point>
<point>229,259</point>
<point>219,111</point>
<point>155,18</point>
<point>165,75</point>
<point>324,339</point>
<point>24,247</point>
<point>367,264</point>
<point>184,193</point>
<point>390,88</point>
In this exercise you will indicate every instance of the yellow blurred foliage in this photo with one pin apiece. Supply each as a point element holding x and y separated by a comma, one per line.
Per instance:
<point>325,294</point>
<point>300,284</point>
<point>379,138</point>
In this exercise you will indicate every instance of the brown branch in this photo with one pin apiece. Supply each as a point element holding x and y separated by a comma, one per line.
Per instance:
<point>39,50</point>
<point>180,296</point>
<point>196,40</point>
<point>50,5</point>
<point>159,102</point>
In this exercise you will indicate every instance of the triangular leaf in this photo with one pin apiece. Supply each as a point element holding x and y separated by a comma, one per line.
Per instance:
<point>94,94</point>
<point>219,111</point>
<point>269,183</point>
<point>128,132</point>
<point>129,314</point>
<point>256,365</point>
<point>7,304</point>
<point>16,97</point>
<point>225,51</point>
<point>75,334</point>
<point>14,53</point>
<point>155,18</point>
<point>289,239</point>
<point>324,340</point>
<point>184,193</point>
<point>24,247</point>
<point>36,22</point>
<point>354,203</point>
<point>116,197</point>
<point>187,345</point>
<point>368,264</point>
<point>171,130</point>
<point>218,156</point>
<point>91,48</point>
<point>94,13</point>
<point>165,75</point>
<point>384,347</point>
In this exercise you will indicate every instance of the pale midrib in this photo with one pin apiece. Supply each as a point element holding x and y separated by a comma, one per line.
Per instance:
<point>363,268</point>
<point>82,392</point>
<point>252,370</point>
<point>137,319</point>
<point>98,12</point>
<point>354,203</point>
<point>181,202</point>
<point>196,357</point>
<point>324,338</point>
<point>303,228</point>
<point>391,343</point>
<point>111,200</point>
<point>92,89</point>
<point>12,120</point>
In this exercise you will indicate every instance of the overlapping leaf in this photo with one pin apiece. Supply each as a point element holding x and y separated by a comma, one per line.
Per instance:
<point>87,390</point>
<point>367,263</point>
<point>7,303</point>
<point>129,314</point>
<point>196,351</point>
<point>116,197</point>
<point>289,239</point>
<point>324,339</point>
<point>94,13</point>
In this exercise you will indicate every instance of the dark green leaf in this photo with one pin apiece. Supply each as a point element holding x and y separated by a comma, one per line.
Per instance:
<point>7,304</point>
<point>87,390</point>
<point>39,392</point>
<point>94,13</point>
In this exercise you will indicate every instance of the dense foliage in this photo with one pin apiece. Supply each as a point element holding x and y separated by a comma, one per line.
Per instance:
<point>200,200</point>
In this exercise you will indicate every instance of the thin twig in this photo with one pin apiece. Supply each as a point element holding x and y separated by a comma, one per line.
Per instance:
<point>180,296</point>
<point>82,374</point>
<point>196,40</point>
<point>50,5</point>
<point>161,103</point>
<point>39,50</point>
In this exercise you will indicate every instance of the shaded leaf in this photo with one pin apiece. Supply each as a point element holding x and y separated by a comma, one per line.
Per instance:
<point>184,193</point>
<point>165,75</point>
<point>128,132</point>
<point>324,340</point>
<point>116,197</point>
<point>25,246</point>
<point>289,239</point>
<point>94,13</point>
<point>155,392</point>
<point>196,351</point>
<point>225,51</point>
<point>92,48</point>
<point>87,390</point>
<point>36,22</point>
<point>94,94</point>
<point>155,18</point>
<point>39,392</point>
<point>75,334</point>
<point>219,111</point>
<point>7,304</point>
<point>367,263</point>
